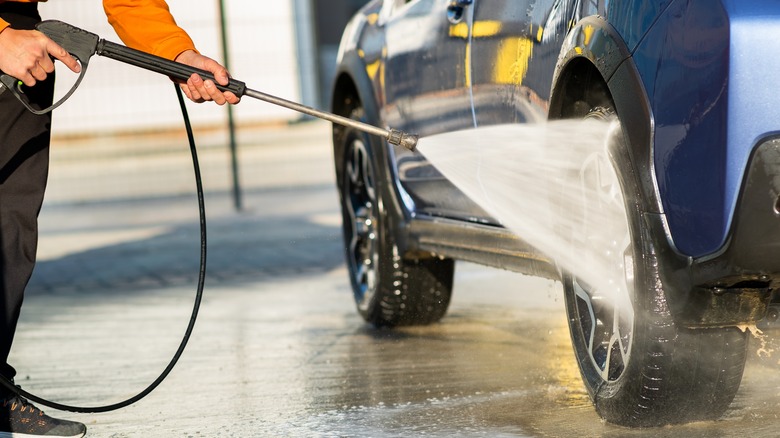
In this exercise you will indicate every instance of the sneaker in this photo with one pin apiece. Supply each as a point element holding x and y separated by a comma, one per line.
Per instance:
<point>19,418</point>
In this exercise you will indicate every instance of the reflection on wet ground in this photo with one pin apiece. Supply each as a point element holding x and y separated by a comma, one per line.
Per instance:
<point>289,356</point>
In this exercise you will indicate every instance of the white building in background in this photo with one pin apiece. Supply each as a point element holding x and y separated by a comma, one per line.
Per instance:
<point>272,50</point>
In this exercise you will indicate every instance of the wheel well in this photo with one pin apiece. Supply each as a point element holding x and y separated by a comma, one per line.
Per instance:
<point>580,88</point>
<point>345,95</point>
<point>345,99</point>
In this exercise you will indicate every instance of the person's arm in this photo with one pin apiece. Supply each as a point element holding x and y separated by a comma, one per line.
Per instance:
<point>148,25</point>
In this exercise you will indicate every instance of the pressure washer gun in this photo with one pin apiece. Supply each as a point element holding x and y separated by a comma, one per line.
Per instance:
<point>82,45</point>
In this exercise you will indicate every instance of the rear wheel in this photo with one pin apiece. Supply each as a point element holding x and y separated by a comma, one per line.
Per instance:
<point>389,289</point>
<point>639,367</point>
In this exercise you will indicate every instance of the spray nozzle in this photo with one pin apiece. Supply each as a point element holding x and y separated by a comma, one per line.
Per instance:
<point>400,138</point>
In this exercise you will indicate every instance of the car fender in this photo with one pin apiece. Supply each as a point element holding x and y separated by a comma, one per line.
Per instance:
<point>351,75</point>
<point>351,62</point>
<point>353,70</point>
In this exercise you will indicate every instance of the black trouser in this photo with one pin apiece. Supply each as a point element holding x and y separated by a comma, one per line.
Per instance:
<point>24,165</point>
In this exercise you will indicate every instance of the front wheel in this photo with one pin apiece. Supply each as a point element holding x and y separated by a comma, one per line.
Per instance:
<point>389,289</point>
<point>638,366</point>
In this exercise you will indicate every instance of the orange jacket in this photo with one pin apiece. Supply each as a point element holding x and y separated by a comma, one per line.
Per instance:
<point>145,25</point>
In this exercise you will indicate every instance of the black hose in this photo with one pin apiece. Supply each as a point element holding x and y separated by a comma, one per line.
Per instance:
<point>196,307</point>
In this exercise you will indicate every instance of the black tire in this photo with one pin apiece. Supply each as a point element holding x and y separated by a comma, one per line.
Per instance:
<point>389,289</point>
<point>643,369</point>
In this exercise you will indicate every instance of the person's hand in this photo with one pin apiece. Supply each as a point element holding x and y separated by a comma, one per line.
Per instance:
<point>27,55</point>
<point>199,90</point>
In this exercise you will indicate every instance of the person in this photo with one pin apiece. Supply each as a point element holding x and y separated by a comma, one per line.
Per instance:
<point>29,55</point>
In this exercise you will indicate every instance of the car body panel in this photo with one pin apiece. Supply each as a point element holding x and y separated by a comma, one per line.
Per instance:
<point>422,97</point>
<point>705,67</point>
<point>631,18</point>
<point>511,61</point>
<point>500,61</point>
<point>683,62</point>
<point>681,73</point>
<point>754,113</point>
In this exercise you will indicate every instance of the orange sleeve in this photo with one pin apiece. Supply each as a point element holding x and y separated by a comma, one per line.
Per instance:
<point>4,24</point>
<point>148,25</point>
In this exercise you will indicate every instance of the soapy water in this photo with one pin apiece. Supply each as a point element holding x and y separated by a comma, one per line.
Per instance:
<point>553,185</point>
<point>764,349</point>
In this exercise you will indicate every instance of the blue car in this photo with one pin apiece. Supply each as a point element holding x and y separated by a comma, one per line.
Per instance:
<point>696,158</point>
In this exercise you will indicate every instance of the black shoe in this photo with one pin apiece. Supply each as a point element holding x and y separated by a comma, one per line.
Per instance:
<point>19,418</point>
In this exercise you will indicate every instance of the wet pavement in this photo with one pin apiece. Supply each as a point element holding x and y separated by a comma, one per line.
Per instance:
<point>279,349</point>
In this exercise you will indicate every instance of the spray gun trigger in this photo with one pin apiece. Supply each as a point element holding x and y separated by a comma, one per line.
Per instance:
<point>4,87</point>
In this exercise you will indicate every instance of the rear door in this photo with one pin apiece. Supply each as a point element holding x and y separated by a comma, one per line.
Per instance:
<point>515,48</point>
<point>427,89</point>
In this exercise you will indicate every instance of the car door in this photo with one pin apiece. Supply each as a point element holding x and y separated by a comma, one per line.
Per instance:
<point>515,49</point>
<point>427,91</point>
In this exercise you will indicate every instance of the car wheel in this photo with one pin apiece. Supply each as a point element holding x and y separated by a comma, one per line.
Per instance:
<point>639,367</point>
<point>389,289</point>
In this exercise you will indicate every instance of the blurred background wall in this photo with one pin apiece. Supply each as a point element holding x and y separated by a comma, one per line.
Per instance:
<point>120,136</point>
<point>282,47</point>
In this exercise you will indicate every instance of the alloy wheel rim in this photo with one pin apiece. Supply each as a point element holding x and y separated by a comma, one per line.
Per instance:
<point>605,312</point>
<point>361,206</point>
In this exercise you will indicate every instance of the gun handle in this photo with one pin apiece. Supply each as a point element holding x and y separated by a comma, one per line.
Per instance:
<point>78,42</point>
<point>172,69</point>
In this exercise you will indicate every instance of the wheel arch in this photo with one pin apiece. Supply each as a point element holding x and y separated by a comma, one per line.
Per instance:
<point>353,86</point>
<point>350,90</point>
<point>415,290</point>
<point>595,68</point>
